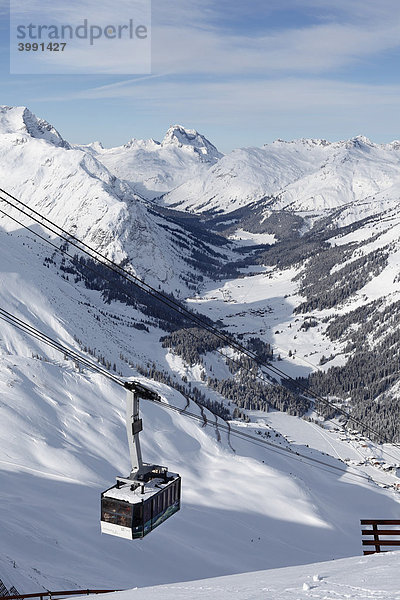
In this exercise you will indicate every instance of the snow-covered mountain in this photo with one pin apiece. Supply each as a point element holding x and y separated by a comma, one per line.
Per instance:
<point>152,167</point>
<point>351,236</point>
<point>245,175</point>
<point>77,191</point>
<point>19,119</point>
<point>304,175</point>
<point>63,440</point>
<point>319,288</point>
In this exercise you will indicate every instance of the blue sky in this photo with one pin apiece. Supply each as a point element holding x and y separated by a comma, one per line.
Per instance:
<point>241,73</point>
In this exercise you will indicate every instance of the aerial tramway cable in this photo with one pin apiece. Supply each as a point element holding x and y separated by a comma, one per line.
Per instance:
<point>37,334</point>
<point>171,303</point>
<point>75,356</point>
<point>89,268</point>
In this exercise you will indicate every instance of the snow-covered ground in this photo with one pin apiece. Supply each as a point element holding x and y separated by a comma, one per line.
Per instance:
<point>371,577</point>
<point>70,186</point>
<point>62,441</point>
<point>152,167</point>
<point>263,304</point>
<point>246,238</point>
<point>313,176</point>
<point>62,430</point>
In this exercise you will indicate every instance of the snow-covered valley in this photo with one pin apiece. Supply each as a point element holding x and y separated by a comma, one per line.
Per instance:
<point>246,507</point>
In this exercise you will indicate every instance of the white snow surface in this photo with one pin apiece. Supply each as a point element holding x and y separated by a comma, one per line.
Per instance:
<point>354,578</point>
<point>62,430</point>
<point>246,238</point>
<point>309,176</point>
<point>152,167</point>
<point>20,120</point>
<point>62,440</point>
<point>71,187</point>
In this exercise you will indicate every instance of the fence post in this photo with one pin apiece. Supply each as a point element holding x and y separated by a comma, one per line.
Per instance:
<point>376,537</point>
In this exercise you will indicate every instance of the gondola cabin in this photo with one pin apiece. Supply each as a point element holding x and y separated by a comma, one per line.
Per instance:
<point>151,494</point>
<point>132,509</point>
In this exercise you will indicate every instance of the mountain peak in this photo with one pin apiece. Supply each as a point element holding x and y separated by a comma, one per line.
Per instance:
<point>181,135</point>
<point>134,144</point>
<point>190,138</point>
<point>359,141</point>
<point>19,119</point>
<point>311,142</point>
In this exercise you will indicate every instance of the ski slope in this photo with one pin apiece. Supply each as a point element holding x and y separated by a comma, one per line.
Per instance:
<point>347,579</point>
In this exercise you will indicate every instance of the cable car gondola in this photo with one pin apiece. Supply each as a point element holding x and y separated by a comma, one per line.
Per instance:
<point>137,504</point>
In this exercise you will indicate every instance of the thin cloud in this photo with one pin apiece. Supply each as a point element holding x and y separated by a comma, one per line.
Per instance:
<point>285,93</point>
<point>119,89</point>
<point>344,33</point>
<point>188,37</point>
<point>207,72</point>
<point>313,49</point>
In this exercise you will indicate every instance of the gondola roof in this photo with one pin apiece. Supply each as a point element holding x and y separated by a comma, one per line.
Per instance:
<point>123,491</point>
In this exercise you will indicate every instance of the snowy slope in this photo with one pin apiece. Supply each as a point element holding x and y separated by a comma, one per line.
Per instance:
<point>62,438</point>
<point>263,303</point>
<point>19,119</point>
<point>152,167</point>
<point>347,579</point>
<point>245,175</point>
<point>303,175</point>
<point>62,434</point>
<point>75,190</point>
<point>352,172</point>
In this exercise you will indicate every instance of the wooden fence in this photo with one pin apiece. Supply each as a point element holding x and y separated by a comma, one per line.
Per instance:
<point>49,595</point>
<point>376,533</point>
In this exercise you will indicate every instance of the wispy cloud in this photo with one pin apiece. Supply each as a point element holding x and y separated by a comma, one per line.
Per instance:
<point>340,34</point>
<point>120,89</point>
<point>231,97</point>
<point>309,50</point>
<point>99,37</point>
<point>190,36</point>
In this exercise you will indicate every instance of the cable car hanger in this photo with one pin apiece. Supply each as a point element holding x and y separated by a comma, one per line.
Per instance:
<point>136,504</point>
